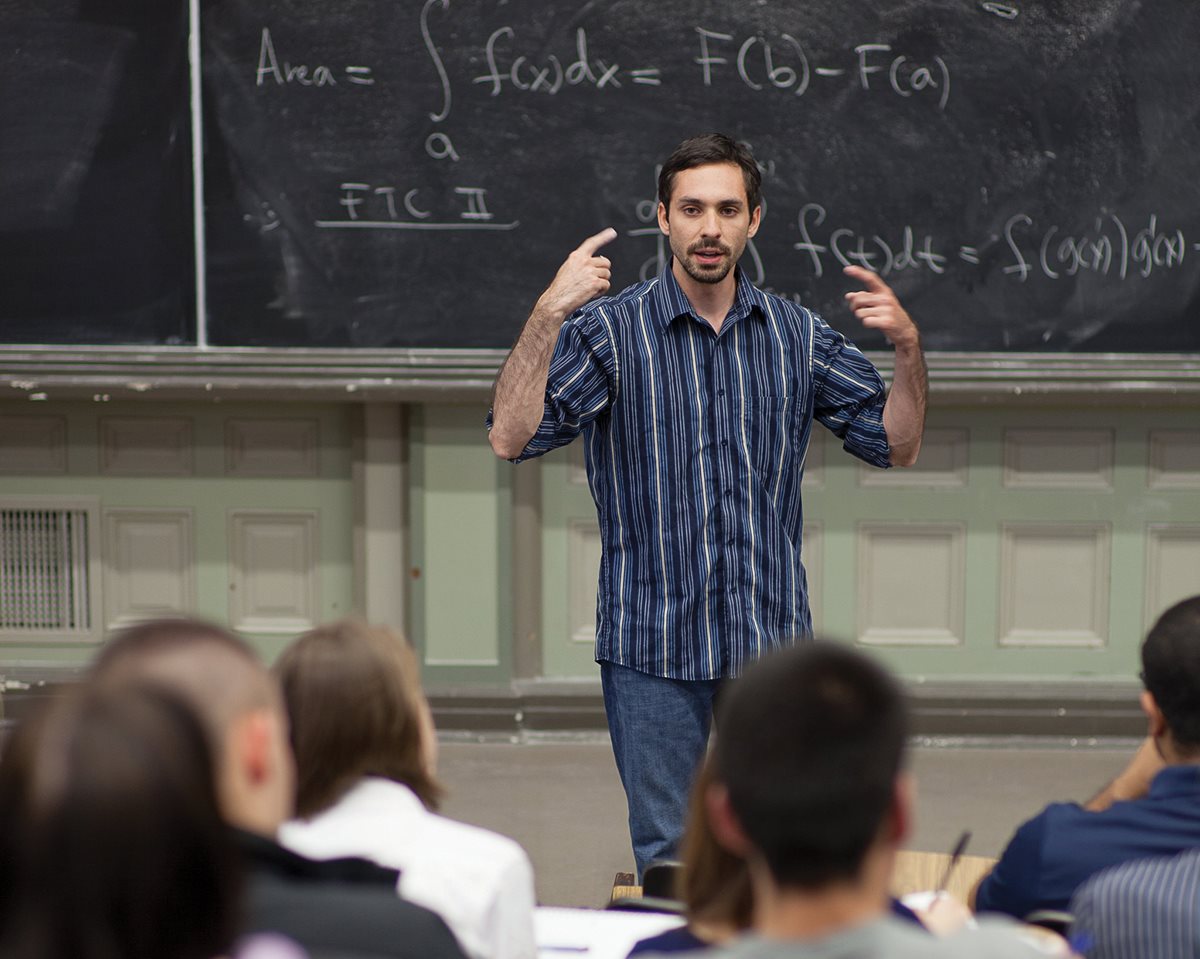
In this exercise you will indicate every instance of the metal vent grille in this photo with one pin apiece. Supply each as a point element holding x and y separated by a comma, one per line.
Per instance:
<point>44,570</point>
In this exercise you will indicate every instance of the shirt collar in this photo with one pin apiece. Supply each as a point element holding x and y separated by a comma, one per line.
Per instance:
<point>1176,781</point>
<point>747,299</point>
<point>266,855</point>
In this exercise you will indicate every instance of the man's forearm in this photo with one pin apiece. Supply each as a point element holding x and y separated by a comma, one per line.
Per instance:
<point>518,397</point>
<point>1133,782</point>
<point>904,411</point>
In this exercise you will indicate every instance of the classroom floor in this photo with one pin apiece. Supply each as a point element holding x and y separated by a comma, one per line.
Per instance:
<point>561,799</point>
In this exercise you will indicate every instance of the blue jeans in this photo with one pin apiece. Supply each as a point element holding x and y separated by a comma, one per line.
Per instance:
<point>659,729</point>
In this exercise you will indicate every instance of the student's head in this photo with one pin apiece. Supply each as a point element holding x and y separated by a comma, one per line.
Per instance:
<point>111,843</point>
<point>714,883</point>
<point>236,699</point>
<point>808,763</point>
<point>355,707</point>
<point>1171,673</point>
<point>707,149</point>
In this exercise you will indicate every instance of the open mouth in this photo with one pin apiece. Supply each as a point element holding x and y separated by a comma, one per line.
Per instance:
<point>709,256</point>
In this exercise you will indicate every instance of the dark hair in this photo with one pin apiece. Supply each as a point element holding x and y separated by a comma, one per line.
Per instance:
<point>111,844</point>
<point>706,149</point>
<point>1171,671</point>
<point>714,884</point>
<point>355,707</point>
<point>809,744</point>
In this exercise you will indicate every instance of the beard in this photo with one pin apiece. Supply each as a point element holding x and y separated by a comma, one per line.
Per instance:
<point>703,273</point>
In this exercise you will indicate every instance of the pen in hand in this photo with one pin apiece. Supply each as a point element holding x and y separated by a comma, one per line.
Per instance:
<point>955,854</point>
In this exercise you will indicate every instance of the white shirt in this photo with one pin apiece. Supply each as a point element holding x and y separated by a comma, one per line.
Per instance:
<point>480,882</point>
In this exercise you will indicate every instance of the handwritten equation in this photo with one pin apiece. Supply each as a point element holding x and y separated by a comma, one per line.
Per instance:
<point>517,65</point>
<point>1111,247</point>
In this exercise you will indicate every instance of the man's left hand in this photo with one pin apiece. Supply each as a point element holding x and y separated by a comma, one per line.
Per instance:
<point>878,309</point>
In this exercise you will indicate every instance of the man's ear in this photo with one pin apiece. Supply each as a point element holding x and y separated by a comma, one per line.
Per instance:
<point>1158,723</point>
<point>724,822</point>
<point>664,221</point>
<point>755,221</point>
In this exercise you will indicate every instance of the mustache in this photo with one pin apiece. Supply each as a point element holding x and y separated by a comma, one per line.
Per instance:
<point>708,246</point>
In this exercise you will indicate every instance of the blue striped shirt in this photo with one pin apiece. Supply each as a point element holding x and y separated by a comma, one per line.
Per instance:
<point>1145,909</point>
<point>695,445</point>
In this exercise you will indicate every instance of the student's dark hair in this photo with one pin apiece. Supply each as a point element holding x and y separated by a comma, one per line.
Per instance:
<point>1171,671</point>
<point>809,744</point>
<point>355,708</point>
<point>111,844</point>
<point>706,149</point>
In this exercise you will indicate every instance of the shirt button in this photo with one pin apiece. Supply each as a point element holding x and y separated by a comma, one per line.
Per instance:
<point>720,392</point>
<point>724,442</point>
<point>728,493</point>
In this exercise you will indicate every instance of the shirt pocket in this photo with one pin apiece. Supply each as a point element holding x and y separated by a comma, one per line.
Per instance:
<point>772,436</point>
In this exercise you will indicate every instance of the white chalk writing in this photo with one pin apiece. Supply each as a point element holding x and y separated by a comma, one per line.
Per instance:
<point>1109,248</point>
<point>368,207</point>
<point>782,63</point>
<point>285,73</point>
<point>507,70</point>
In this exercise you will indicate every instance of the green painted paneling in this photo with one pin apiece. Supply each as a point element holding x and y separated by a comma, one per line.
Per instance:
<point>563,495</point>
<point>461,536</point>
<point>210,495</point>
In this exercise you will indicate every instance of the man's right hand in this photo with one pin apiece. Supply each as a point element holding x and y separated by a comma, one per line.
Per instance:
<point>582,277</point>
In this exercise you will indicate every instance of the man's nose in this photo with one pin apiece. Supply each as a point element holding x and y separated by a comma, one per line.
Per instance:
<point>711,224</point>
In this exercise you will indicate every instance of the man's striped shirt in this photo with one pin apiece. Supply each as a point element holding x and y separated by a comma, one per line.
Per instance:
<point>695,445</point>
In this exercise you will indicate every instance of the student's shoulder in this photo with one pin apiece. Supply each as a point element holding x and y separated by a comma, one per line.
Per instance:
<point>475,842</point>
<point>335,916</point>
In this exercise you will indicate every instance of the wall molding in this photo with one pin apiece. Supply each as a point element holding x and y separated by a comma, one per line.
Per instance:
<point>129,372</point>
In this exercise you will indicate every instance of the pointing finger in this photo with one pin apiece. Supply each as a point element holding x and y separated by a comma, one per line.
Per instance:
<point>594,242</point>
<point>869,278</point>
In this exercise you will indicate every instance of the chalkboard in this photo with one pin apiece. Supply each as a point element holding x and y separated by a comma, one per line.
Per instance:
<point>96,231</point>
<point>410,173</point>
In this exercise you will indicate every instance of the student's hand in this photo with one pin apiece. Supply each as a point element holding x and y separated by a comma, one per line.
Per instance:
<point>1134,781</point>
<point>582,277</point>
<point>944,914</point>
<point>878,309</point>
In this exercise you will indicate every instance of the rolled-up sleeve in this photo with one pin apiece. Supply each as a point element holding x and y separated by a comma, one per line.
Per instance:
<point>849,395</point>
<point>579,386</point>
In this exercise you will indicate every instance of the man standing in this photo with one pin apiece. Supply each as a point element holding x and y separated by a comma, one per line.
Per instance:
<point>696,393</point>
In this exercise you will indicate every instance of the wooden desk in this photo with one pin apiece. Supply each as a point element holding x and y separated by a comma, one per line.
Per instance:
<point>915,872</point>
<point>922,871</point>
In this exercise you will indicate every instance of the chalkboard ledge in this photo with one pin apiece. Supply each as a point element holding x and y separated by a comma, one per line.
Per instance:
<point>450,375</point>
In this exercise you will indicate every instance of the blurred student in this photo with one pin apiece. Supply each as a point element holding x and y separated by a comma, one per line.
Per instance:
<point>1151,809</point>
<point>345,908</point>
<point>111,843</point>
<point>366,750</point>
<point>810,789</point>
